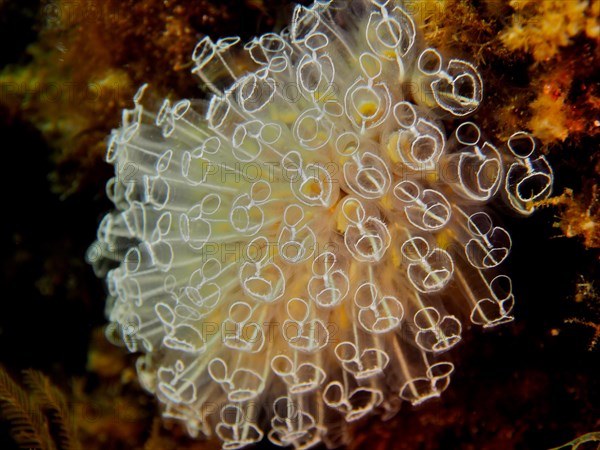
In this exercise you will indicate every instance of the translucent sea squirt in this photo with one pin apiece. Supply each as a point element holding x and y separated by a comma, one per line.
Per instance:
<point>301,250</point>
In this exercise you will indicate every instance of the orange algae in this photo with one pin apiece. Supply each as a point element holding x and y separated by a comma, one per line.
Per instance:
<point>542,28</point>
